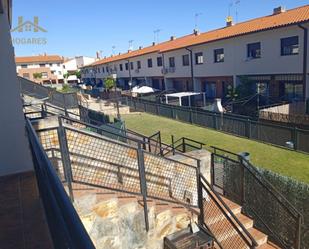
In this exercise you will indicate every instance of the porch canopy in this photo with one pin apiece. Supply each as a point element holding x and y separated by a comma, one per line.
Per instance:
<point>184,94</point>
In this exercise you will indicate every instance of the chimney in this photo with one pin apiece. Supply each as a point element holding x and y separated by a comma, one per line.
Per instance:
<point>119,53</point>
<point>153,43</point>
<point>278,10</point>
<point>173,38</point>
<point>229,21</point>
<point>44,54</point>
<point>98,55</point>
<point>196,32</point>
<point>140,47</point>
<point>130,50</point>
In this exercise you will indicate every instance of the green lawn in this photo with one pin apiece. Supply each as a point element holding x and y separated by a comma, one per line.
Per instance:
<point>289,163</point>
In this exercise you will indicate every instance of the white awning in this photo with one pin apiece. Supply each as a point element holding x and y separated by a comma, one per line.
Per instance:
<point>143,89</point>
<point>72,77</point>
<point>182,94</point>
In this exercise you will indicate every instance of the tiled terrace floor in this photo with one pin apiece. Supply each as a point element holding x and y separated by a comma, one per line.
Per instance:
<point>23,223</point>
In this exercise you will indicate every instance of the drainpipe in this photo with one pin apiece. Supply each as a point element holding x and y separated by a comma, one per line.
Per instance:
<point>163,71</point>
<point>305,56</point>
<point>130,75</point>
<point>191,64</point>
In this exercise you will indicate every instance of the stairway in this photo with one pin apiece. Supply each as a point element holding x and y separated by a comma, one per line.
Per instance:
<point>219,226</point>
<point>116,220</point>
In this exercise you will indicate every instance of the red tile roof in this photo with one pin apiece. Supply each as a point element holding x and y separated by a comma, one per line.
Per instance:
<point>39,59</point>
<point>287,18</point>
<point>290,17</point>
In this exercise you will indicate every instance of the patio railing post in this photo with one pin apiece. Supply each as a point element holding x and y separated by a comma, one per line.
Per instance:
<point>143,185</point>
<point>200,193</point>
<point>65,156</point>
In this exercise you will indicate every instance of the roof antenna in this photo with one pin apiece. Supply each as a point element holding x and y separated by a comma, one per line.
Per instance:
<point>230,7</point>
<point>156,35</point>
<point>131,44</point>
<point>237,2</point>
<point>196,16</point>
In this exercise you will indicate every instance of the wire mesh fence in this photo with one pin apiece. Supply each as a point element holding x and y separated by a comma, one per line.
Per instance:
<point>170,180</point>
<point>239,181</point>
<point>100,162</point>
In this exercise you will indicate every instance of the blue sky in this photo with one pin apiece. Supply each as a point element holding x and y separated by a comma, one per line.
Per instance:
<point>77,27</point>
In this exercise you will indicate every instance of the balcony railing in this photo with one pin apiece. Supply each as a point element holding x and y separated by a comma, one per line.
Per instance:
<point>66,228</point>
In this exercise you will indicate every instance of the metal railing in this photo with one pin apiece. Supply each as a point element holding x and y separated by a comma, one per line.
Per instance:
<point>66,228</point>
<point>238,180</point>
<point>32,89</point>
<point>230,123</point>
<point>91,159</point>
<point>220,220</point>
<point>185,144</point>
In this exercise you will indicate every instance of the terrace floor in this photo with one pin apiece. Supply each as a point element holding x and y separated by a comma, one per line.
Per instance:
<point>22,219</point>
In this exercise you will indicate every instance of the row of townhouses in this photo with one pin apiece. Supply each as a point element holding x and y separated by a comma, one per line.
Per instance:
<point>271,51</point>
<point>50,68</point>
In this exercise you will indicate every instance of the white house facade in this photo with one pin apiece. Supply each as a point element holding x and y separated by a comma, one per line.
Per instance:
<point>271,51</point>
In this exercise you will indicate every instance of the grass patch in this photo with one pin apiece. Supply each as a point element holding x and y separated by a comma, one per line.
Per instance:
<point>282,161</point>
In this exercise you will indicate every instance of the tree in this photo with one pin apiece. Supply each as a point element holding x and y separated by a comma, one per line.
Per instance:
<point>109,83</point>
<point>245,88</point>
<point>37,76</point>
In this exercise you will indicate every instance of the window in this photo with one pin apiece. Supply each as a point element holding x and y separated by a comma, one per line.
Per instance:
<point>103,70</point>
<point>185,60</point>
<point>138,64</point>
<point>199,59</point>
<point>107,69</point>
<point>293,91</point>
<point>149,62</point>
<point>127,66</point>
<point>254,50</point>
<point>120,67</point>
<point>26,75</point>
<point>58,64</point>
<point>99,70</point>
<point>24,66</point>
<point>44,75</point>
<point>42,65</point>
<point>159,62</point>
<point>289,46</point>
<point>171,61</point>
<point>219,55</point>
<point>131,65</point>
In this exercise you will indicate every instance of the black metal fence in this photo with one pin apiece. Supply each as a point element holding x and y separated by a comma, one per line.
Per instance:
<point>233,124</point>
<point>63,100</point>
<point>238,180</point>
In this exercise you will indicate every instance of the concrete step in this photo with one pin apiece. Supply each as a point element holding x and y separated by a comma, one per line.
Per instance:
<point>260,238</point>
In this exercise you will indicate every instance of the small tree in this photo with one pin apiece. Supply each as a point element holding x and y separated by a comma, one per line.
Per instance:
<point>65,88</point>
<point>245,88</point>
<point>109,83</point>
<point>37,76</point>
<point>231,93</point>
